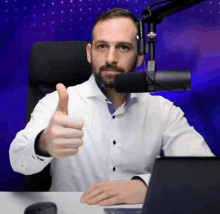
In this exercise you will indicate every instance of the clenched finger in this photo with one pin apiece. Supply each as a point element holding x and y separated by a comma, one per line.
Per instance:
<point>68,143</point>
<point>66,153</point>
<point>67,133</point>
<point>76,124</point>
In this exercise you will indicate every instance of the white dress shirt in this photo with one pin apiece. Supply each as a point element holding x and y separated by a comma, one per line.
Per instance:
<point>116,146</point>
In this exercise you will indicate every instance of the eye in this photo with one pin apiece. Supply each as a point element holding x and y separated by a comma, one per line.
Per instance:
<point>101,46</point>
<point>124,47</point>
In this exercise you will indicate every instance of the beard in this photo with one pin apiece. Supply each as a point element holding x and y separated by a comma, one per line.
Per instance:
<point>100,80</point>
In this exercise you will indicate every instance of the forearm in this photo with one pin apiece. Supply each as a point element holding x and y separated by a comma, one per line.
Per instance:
<point>40,145</point>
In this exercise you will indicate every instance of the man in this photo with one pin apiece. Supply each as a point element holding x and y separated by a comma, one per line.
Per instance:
<point>100,141</point>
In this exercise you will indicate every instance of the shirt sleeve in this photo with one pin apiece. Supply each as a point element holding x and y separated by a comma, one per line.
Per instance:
<point>22,153</point>
<point>181,139</point>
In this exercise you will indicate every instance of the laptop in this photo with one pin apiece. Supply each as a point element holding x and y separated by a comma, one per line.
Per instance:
<point>180,185</point>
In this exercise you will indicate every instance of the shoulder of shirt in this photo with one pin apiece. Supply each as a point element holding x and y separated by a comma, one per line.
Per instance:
<point>161,104</point>
<point>156,100</point>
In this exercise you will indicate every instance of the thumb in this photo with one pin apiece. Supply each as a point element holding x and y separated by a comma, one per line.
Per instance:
<point>63,99</point>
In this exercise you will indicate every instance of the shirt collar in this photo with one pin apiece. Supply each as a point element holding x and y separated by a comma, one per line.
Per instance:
<point>92,90</point>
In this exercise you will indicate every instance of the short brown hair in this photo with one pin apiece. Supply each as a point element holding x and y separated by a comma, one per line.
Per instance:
<point>113,13</point>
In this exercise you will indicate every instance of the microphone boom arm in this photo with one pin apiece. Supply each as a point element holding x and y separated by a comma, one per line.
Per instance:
<point>175,6</point>
<point>140,82</point>
<point>152,18</point>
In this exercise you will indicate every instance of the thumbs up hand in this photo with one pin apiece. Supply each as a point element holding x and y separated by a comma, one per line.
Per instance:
<point>63,136</point>
<point>63,99</point>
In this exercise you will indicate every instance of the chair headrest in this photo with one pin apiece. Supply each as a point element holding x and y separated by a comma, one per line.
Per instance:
<point>59,62</point>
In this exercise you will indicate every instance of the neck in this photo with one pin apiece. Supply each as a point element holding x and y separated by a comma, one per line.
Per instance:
<point>116,98</point>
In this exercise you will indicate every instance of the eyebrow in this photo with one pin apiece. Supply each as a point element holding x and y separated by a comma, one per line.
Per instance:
<point>119,43</point>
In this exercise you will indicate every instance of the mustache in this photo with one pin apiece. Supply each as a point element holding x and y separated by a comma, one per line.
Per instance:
<point>109,67</point>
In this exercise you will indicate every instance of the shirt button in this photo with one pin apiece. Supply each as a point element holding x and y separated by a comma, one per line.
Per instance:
<point>113,117</point>
<point>114,142</point>
<point>114,168</point>
<point>106,100</point>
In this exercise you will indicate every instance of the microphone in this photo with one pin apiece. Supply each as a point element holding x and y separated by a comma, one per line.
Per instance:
<point>139,82</point>
<point>156,81</point>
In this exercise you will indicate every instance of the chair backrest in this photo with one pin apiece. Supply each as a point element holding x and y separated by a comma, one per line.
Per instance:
<point>52,63</point>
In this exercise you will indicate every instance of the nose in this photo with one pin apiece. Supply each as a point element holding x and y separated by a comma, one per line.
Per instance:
<point>112,56</point>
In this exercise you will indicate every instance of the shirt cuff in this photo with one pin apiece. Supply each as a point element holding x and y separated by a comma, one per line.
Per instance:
<point>144,177</point>
<point>34,154</point>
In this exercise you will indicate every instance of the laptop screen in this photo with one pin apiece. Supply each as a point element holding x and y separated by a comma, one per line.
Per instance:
<point>184,185</point>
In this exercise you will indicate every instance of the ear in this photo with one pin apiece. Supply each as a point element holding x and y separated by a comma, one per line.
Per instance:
<point>139,60</point>
<point>88,51</point>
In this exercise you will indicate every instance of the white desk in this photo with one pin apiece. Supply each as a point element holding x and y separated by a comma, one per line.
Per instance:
<point>67,202</point>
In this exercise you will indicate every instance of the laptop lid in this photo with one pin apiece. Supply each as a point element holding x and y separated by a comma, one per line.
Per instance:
<point>184,185</point>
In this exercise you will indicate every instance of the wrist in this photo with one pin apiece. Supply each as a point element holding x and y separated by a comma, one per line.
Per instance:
<point>43,144</point>
<point>140,181</point>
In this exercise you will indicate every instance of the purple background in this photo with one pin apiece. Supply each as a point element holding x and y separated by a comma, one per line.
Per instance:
<point>186,40</point>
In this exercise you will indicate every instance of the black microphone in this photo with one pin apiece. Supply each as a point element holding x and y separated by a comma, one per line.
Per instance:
<point>139,82</point>
<point>152,80</point>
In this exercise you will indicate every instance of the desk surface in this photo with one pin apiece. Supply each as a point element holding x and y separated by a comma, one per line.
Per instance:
<point>67,202</point>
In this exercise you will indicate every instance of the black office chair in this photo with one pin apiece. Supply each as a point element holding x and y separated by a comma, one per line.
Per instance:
<point>52,63</point>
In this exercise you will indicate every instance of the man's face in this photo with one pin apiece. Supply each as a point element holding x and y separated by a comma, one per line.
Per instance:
<point>114,48</point>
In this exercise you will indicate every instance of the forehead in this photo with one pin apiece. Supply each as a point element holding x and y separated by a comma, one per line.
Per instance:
<point>116,29</point>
